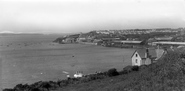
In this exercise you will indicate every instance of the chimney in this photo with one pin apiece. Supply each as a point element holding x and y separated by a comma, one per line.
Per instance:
<point>147,53</point>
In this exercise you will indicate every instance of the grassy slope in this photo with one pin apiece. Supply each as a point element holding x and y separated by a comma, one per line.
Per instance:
<point>165,75</point>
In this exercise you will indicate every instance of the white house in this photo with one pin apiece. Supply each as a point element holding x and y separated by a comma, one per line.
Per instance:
<point>144,57</point>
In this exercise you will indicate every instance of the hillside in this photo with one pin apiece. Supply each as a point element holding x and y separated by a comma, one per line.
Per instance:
<point>165,75</point>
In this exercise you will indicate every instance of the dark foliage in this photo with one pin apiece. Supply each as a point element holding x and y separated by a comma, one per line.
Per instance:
<point>127,69</point>
<point>144,42</point>
<point>112,72</point>
<point>182,56</point>
<point>8,89</point>
<point>59,40</point>
<point>35,89</point>
<point>135,68</point>
<point>142,67</point>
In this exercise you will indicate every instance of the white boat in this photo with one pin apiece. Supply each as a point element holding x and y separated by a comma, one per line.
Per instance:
<point>78,74</point>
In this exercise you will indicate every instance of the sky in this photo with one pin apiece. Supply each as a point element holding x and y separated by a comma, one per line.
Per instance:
<point>73,16</point>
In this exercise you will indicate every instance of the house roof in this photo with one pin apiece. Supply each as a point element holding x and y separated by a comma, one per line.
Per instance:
<point>142,52</point>
<point>170,43</point>
<point>131,42</point>
<point>152,53</point>
<point>160,52</point>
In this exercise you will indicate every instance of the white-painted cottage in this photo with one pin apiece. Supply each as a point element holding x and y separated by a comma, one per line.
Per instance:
<point>145,56</point>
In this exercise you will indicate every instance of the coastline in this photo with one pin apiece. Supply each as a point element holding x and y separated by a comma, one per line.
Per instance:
<point>26,62</point>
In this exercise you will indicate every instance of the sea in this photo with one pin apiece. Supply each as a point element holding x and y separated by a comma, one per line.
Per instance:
<point>29,58</point>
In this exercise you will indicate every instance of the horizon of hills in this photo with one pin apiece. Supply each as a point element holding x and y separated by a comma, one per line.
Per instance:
<point>11,32</point>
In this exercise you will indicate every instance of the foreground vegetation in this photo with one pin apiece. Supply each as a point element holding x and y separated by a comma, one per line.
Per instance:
<point>165,75</point>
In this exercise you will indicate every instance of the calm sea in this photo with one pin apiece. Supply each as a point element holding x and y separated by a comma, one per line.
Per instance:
<point>32,58</point>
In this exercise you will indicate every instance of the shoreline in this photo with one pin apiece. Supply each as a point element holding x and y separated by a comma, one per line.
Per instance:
<point>87,57</point>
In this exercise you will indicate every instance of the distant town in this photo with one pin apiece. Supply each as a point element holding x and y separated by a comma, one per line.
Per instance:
<point>129,38</point>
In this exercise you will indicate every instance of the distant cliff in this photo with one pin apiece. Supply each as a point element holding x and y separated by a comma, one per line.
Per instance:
<point>67,39</point>
<point>59,40</point>
<point>74,38</point>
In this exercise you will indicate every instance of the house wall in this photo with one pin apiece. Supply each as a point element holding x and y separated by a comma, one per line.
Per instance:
<point>143,61</point>
<point>139,61</point>
<point>147,61</point>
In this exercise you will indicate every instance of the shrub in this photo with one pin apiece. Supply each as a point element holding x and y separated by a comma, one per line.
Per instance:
<point>112,72</point>
<point>123,72</point>
<point>135,68</point>
<point>21,87</point>
<point>35,89</point>
<point>85,79</point>
<point>142,67</point>
<point>182,55</point>
<point>127,69</point>
<point>46,85</point>
<point>8,89</point>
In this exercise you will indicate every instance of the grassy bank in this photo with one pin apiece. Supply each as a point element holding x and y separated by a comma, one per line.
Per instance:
<point>165,75</point>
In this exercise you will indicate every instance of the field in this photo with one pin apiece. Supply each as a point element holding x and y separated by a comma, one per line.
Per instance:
<point>31,58</point>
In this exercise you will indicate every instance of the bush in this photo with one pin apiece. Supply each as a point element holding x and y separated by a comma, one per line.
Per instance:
<point>127,69</point>
<point>135,68</point>
<point>123,72</point>
<point>142,67</point>
<point>8,89</point>
<point>35,89</point>
<point>21,87</point>
<point>182,55</point>
<point>46,85</point>
<point>112,72</point>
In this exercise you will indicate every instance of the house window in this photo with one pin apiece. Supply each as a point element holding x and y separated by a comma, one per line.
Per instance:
<point>136,55</point>
<point>136,60</point>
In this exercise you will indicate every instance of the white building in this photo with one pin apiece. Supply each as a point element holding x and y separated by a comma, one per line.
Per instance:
<point>145,56</point>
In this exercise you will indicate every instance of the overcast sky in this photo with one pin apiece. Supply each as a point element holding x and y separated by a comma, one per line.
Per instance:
<point>67,16</point>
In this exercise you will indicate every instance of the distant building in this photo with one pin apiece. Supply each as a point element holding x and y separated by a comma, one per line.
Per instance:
<point>168,43</point>
<point>145,56</point>
<point>151,40</point>
<point>163,38</point>
<point>97,41</point>
<point>131,42</point>
<point>82,38</point>
<point>69,40</point>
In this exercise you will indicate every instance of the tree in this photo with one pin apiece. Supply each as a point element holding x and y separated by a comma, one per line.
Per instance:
<point>112,72</point>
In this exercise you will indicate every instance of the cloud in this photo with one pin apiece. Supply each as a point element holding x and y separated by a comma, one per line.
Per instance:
<point>183,19</point>
<point>6,31</point>
<point>81,15</point>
